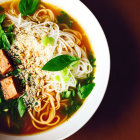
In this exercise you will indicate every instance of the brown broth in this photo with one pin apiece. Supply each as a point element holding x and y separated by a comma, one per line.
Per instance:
<point>28,128</point>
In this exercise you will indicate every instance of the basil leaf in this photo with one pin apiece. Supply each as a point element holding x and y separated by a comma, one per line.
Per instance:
<point>85,90</point>
<point>10,35</point>
<point>28,7</point>
<point>6,43</point>
<point>59,63</point>
<point>21,107</point>
<point>2,17</point>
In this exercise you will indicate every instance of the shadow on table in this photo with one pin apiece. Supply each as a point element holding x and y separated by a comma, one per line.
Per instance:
<point>124,67</point>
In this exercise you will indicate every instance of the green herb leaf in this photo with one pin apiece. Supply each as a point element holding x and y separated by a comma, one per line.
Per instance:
<point>15,72</point>
<point>10,28</point>
<point>66,95</point>
<point>64,18</point>
<point>71,109</point>
<point>91,59</point>
<point>18,61</point>
<point>29,76</point>
<point>59,63</point>
<point>6,43</point>
<point>73,93</point>
<point>10,35</point>
<point>46,41</point>
<point>28,7</point>
<point>85,90</point>
<point>23,82</point>
<point>2,17</point>
<point>21,107</point>
<point>70,23</point>
<point>87,80</point>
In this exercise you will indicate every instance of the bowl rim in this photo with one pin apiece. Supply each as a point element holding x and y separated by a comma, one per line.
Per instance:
<point>102,91</point>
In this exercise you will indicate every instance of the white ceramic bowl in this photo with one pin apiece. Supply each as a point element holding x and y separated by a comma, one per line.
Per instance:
<point>87,20</point>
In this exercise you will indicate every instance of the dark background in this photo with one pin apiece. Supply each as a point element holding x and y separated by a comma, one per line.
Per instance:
<point>118,117</point>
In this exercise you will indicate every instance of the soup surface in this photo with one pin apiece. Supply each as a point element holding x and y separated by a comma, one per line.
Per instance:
<point>47,67</point>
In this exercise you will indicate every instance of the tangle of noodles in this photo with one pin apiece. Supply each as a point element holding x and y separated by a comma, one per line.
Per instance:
<point>44,90</point>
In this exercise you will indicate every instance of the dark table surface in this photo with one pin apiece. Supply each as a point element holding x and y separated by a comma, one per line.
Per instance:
<point>118,117</point>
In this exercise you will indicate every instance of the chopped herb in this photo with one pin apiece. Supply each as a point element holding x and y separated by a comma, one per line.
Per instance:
<point>71,109</point>
<point>21,107</point>
<point>18,61</point>
<point>87,80</point>
<point>2,17</point>
<point>5,37</point>
<point>5,41</point>
<point>84,91</point>
<point>10,35</point>
<point>23,82</point>
<point>70,23</point>
<point>91,59</point>
<point>10,28</point>
<point>64,18</point>
<point>59,63</point>
<point>73,92</point>
<point>28,7</point>
<point>15,72</point>
<point>46,41</point>
<point>29,76</point>
<point>66,94</point>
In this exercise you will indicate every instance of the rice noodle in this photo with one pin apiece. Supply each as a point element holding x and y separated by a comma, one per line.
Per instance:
<point>44,89</point>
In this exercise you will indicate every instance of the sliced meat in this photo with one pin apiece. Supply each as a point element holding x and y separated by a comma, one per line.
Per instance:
<point>5,65</point>
<point>9,89</point>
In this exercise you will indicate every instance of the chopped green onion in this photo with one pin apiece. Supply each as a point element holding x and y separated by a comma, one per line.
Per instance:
<point>65,75</point>
<point>68,94</point>
<point>48,41</point>
<point>57,78</point>
<point>23,82</point>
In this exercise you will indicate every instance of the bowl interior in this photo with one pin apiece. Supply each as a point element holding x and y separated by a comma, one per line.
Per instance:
<point>87,20</point>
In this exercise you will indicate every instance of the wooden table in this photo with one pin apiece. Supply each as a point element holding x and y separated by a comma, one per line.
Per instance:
<point>118,117</point>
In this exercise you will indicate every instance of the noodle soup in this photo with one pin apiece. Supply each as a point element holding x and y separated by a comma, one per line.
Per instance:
<point>47,67</point>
